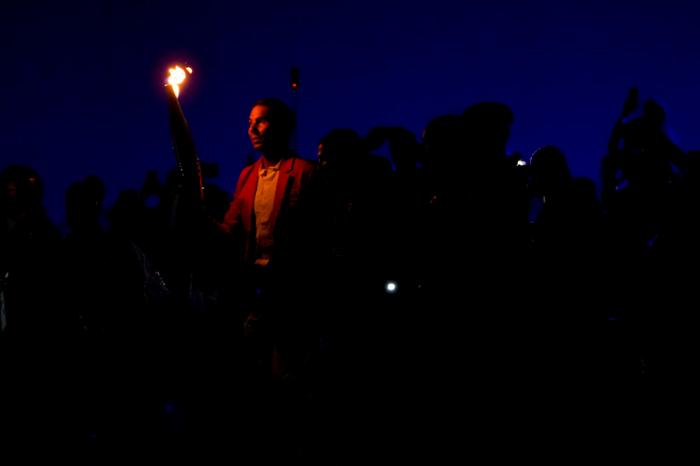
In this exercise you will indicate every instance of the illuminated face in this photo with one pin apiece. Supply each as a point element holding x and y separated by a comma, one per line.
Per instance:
<point>259,128</point>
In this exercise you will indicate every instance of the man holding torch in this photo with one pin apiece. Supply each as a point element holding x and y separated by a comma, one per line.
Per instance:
<point>269,220</point>
<point>264,215</point>
<point>270,192</point>
<point>268,223</point>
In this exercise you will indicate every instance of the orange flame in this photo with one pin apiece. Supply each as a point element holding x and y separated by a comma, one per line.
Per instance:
<point>177,77</point>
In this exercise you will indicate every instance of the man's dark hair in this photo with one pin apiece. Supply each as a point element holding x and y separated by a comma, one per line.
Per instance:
<point>280,114</point>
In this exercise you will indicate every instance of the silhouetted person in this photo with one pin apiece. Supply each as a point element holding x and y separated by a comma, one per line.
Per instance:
<point>567,216</point>
<point>567,290</point>
<point>33,319</point>
<point>354,187</point>
<point>28,246</point>
<point>640,193</point>
<point>87,281</point>
<point>639,172</point>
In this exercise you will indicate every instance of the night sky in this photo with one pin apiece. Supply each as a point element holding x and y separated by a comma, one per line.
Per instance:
<point>82,82</point>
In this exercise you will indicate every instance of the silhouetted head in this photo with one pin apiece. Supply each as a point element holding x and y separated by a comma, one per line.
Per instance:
<point>21,188</point>
<point>341,148</point>
<point>84,202</point>
<point>270,126</point>
<point>127,214</point>
<point>655,114</point>
<point>646,149</point>
<point>404,149</point>
<point>442,140</point>
<point>490,119</point>
<point>549,170</point>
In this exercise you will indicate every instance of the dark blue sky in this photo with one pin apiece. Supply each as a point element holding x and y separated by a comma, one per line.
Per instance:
<point>82,81</point>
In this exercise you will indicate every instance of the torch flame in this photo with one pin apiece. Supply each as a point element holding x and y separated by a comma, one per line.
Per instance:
<point>177,77</point>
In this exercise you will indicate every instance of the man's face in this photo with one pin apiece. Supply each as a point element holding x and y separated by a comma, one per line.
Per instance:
<point>259,128</point>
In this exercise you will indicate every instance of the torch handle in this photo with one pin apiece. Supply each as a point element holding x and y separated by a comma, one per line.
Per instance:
<point>188,164</point>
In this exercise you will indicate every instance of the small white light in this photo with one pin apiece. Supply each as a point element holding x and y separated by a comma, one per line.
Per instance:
<point>521,163</point>
<point>391,287</point>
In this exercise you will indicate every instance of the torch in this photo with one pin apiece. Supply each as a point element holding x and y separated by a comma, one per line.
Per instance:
<point>186,208</point>
<point>188,165</point>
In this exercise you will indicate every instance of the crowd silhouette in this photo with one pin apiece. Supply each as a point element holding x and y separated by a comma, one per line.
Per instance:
<point>453,299</point>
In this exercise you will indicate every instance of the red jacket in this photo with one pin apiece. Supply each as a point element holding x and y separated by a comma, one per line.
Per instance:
<point>294,176</point>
